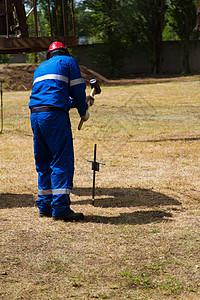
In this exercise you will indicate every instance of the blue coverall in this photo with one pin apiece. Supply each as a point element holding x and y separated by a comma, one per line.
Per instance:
<point>55,82</point>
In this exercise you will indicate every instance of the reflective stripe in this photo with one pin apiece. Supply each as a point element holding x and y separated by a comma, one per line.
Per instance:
<point>76,81</point>
<point>61,191</point>
<point>44,192</point>
<point>52,76</point>
<point>54,192</point>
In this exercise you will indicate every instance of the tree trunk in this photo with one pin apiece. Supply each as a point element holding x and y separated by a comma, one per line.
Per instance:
<point>186,63</point>
<point>156,30</point>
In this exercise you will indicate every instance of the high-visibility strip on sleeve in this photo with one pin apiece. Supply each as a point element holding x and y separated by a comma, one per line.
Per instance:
<point>54,192</point>
<point>52,76</point>
<point>76,81</point>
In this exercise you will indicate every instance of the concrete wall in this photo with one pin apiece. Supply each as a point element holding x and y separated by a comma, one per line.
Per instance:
<point>18,58</point>
<point>137,62</point>
<point>173,57</point>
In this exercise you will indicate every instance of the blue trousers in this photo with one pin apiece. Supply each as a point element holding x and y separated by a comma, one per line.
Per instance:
<point>54,160</point>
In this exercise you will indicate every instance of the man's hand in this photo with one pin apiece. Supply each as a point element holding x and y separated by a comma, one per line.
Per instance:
<point>86,116</point>
<point>89,100</point>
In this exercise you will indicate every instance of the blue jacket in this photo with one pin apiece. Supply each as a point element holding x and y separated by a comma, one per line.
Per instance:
<point>55,81</point>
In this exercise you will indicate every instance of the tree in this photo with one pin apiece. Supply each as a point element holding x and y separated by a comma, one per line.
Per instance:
<point>183,13</point>
<point>101,20</point>
<point>151,16</point>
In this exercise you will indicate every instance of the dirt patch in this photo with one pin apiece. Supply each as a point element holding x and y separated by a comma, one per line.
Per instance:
<point>17,77</point>
<point>20,77</point>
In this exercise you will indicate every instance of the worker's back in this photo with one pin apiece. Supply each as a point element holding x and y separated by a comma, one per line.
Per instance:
<point>55,80</point>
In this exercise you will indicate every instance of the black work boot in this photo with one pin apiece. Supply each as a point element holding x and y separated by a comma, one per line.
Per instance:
<point>47,214</point>
<point>71,217</point>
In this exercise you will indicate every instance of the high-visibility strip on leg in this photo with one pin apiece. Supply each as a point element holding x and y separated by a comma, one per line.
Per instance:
<point>54,192</point>
<point>45,192</point>
<point>61,191</point>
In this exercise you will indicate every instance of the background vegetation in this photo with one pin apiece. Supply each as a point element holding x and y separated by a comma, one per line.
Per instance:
<point>123,27</point>
<point>127,25</point>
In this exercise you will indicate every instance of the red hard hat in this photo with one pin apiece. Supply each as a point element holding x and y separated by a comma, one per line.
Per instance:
<point>56,46</point>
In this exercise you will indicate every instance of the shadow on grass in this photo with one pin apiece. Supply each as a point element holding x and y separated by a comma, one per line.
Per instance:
<point>124,197</point>
<point>135,218</point>
<point>173,139</point>
<point>117,197</point>
<point>8,200</point>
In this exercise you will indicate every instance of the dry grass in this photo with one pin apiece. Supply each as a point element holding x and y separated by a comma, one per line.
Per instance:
<point>141,239</point>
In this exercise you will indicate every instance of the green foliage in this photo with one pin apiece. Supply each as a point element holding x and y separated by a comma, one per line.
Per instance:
<point>43,19</point>
<point>168,32</point>
<point>44,28</point>
<point>183,14</point>
<point>4,58</point>
<point>104,22</point>
<point>183,17</point>
<point>121,26</point>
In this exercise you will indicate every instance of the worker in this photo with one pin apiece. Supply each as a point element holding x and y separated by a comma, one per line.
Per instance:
<point>57,86</point>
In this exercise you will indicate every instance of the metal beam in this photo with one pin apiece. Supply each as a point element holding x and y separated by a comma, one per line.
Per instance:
<point>7,20</point>
<point>65,17</point>
<point>21,15</point>
<point>33,44</point>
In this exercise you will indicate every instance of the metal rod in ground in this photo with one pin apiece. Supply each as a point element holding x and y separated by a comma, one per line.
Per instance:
<point>94,172</point>
<point>95,167</point>
<point>1,109</point>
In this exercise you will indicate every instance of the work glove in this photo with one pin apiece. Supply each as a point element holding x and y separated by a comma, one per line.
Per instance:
<point>90,100</point>
<point>86,116</point>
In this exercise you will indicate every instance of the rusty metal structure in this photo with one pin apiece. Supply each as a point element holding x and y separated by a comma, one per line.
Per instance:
<point>14,31</point>
<point>198,16</point>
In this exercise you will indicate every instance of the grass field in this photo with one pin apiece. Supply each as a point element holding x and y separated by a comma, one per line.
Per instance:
<point>141,240</point>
